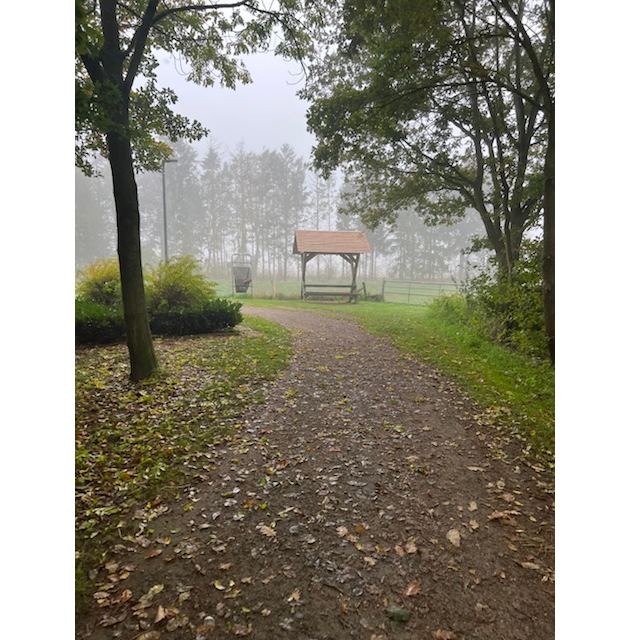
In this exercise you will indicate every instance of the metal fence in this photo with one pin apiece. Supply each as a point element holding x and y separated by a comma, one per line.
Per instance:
<point>415,291</point>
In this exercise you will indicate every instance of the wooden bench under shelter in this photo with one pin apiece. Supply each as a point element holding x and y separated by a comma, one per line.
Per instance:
<point>347,244</point>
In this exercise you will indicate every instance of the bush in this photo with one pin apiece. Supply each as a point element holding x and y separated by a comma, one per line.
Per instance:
<point>178,284</point>
<point>509,309</point>
<point>215,315</point>
<point>180,301</point>
<point>99,282</point>
<point>96,323</point>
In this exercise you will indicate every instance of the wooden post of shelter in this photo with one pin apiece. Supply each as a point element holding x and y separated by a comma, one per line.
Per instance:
<point>349,245</point>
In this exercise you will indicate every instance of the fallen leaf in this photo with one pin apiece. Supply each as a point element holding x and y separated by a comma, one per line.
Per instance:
<point>530,565</point>
<point>125,596</point>
<point>410,547</point>
<point>342,531</point>
<point>399,550</point>
<point>412,589</point>
<point>146,600</point>
<point>149,635</point>
<point>454,537</point>
<point>242,629</point>
<point>440,634</point>
<point>268,531</point>
<point>295,596</point>
<point>472,506</point>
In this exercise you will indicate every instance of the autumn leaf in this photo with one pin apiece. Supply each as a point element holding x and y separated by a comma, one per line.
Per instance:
<point>295,596</point>
<point>242,629</point>
<point>440,634</point>
<point>412,589</point>
<point>410,547</point>
<point>267,531</point>
<point>147,599</point>
<point>454,537</point>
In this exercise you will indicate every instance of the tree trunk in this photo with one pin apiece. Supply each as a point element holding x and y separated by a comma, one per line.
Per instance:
<point>114,98</point>
<point>549,241</point>
<point>141,353</point>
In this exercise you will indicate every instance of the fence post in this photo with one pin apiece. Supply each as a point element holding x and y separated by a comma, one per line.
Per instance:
<point>383,290</point>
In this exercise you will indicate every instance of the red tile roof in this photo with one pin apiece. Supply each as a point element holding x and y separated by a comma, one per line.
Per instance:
<point>330,242</point>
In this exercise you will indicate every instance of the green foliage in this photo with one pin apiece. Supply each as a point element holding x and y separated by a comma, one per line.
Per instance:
<point>178,284</point>
<point>508,308</point>
<point>96,323</point>
<point>215,315</point>
<point>99,282</point>
<point>210,41</point>
<point>181,302</point>
<point>420,102</point>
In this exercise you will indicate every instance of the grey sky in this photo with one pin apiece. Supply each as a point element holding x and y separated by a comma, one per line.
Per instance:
<point>265,113</point>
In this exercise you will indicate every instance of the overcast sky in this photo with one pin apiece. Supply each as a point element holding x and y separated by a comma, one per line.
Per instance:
<point>265,113</point>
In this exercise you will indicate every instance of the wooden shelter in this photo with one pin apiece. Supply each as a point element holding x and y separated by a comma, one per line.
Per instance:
<point>347,244</point>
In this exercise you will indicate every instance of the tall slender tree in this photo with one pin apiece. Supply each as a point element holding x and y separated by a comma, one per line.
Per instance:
<point>116,44</point>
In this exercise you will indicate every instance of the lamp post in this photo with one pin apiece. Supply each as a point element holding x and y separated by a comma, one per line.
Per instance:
<point>164,205</point>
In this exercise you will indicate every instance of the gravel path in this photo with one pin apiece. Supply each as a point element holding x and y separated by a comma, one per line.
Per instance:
<point>361,500</point>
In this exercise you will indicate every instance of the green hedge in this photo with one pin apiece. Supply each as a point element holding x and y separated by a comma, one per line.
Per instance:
<point>96,323</point>
<point>215,315</point>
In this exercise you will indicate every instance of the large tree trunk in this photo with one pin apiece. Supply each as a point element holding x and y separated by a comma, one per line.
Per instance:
<point>141,353</point>
<point>549,241</point>
<point>115,97</point>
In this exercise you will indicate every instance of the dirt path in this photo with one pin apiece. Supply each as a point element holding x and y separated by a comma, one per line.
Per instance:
<point>362,500</point>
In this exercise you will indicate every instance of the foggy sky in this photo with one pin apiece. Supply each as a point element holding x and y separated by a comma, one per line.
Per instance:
<point>265,113</point>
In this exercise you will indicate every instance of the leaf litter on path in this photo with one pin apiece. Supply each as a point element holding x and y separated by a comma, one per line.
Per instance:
<point>353,540</point>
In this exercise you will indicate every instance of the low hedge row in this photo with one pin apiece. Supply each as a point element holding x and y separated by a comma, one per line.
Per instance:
<point>99,324</point>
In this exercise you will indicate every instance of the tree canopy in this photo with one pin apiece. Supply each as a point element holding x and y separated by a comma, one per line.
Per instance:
<point>211,38</point>
<point>437,106</point>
